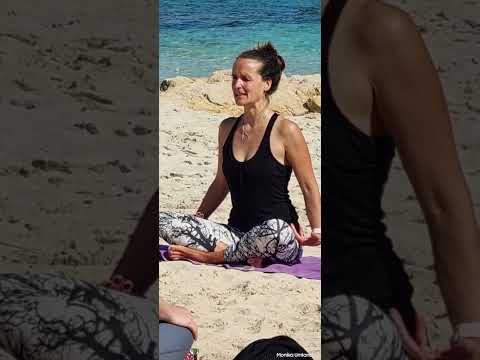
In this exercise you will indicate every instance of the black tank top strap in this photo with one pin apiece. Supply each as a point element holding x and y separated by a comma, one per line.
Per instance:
<point>332,13</point>
<point>266,136</point>
<point>232,131</point>
<point>329,23</point>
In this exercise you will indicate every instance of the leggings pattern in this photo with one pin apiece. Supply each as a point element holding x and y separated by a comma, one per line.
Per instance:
<point>273,240</point>
<point>6,356</point>
<point>355,329</point>
<point>50,316</point>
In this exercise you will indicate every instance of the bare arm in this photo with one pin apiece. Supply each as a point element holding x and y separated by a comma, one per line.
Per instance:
<point>411,104</point>
<point>298,157</point>
<point>177,315</point>
<point>218,189</point>
<point>140,258</point>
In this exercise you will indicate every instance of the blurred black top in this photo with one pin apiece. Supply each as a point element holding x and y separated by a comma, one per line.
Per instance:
<point>357,256</point>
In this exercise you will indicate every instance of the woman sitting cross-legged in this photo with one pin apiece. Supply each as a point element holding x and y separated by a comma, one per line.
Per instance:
<point>257,153</point>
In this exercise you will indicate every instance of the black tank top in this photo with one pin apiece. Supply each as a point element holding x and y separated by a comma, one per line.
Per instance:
<point>357,256</point>
<point>258,186</point>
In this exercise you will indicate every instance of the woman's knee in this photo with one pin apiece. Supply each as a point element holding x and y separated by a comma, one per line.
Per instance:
<point>277,225</point>
<point>272,240</point>
<point>276,229</point>
<point>170,224</point>
<point>355,328</point>
<point>166,217</point>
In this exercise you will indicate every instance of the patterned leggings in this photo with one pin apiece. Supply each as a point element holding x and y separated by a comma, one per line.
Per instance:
<point>50,316</point>
<point>355,329</point>
<point>273,240</point>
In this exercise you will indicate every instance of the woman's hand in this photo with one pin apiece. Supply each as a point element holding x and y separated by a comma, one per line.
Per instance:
<point>313,240</point>
<point>177,315</point>
<point>464,349</point>
<point>417,348</point>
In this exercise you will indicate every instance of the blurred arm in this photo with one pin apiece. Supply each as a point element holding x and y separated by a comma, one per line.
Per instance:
<point>410,102</point>
<point>139,262</point>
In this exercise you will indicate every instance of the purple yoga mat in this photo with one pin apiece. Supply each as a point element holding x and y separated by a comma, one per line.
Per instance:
<point>308,268</point>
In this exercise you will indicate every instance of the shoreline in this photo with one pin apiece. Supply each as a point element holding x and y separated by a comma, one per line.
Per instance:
<point>285,74</point>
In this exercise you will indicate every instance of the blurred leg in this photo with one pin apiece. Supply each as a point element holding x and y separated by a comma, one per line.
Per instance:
<point>355,329</point>
<point>5,356</point>
<point>52,316</point>
<point>174,341</point>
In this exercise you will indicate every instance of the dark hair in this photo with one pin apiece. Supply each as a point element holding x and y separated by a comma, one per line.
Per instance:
<point>273,64</point>
<point>267,349</point>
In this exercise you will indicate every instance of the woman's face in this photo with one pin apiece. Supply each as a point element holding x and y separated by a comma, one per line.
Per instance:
<point>247,84</point>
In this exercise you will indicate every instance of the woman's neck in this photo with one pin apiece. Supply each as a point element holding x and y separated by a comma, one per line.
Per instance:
<point>256,113</point>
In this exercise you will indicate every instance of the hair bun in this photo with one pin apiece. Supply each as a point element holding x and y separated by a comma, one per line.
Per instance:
<point>269,49</point>
<point>281,62</point>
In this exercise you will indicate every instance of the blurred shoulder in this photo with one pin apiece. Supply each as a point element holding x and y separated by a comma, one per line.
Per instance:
<point>384,25</point>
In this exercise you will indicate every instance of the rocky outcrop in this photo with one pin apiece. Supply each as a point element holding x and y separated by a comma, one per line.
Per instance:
<point>296,95</point>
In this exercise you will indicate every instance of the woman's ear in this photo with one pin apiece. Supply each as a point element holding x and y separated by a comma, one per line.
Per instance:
<point>268,85</point>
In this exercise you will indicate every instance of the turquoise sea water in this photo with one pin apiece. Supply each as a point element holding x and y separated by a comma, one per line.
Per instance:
<point>199,37</point>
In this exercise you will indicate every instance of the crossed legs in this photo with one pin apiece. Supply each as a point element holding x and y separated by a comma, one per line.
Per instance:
<point>209,242</point>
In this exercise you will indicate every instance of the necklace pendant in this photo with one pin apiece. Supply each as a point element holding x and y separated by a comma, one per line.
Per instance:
<point>244,134</point>
<point>244,137</point>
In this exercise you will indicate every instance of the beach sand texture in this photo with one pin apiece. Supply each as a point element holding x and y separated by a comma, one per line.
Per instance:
<point>78,133</point>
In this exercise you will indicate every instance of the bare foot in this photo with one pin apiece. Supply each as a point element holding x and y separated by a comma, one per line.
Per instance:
<point>255,261</point>
<point>220,246</point>
<point>178,252</point>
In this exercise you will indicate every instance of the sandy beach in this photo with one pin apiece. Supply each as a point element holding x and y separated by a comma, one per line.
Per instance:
<point>233,308</point>
<point>79,133</point>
